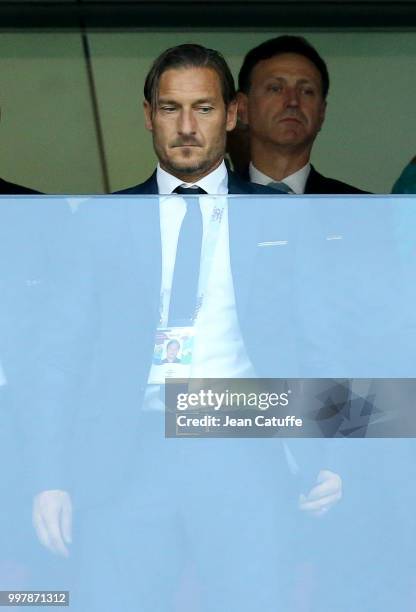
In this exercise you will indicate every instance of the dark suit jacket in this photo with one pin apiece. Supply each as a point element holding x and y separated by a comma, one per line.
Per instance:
<point>317,183</point>
<point>27,232</point>
<point>236,185</point>
<point>99,333</point>
<point>7,188</point>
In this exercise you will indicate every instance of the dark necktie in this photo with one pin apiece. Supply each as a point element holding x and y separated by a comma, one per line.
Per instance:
<point>184,290</point>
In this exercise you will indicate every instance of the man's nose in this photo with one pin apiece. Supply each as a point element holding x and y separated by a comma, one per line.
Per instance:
<point>292,96</point>
<point>187,124</point>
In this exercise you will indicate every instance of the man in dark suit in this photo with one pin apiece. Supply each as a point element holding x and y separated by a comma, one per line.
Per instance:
<point>149,502</point>
<point>283,85</point>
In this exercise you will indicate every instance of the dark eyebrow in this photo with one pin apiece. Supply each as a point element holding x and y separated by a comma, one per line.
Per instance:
<point>282,78</point>
<point>205,101</point>
<point>167,101</point>
<point>176,104</point>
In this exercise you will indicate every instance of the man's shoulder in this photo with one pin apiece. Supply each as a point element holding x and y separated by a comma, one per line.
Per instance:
<point>317,183</point>
<point>238,185</point>
<point>7,188</point>
<point>147,187</point>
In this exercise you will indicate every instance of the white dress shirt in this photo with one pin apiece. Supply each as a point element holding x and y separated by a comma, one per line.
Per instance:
<point>218,347</point>
<point>296,181</point>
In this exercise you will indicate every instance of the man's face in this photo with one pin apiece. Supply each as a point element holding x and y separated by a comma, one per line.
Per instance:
<point>189,122</point>
<point>285,105</point>
<point>172,351</point>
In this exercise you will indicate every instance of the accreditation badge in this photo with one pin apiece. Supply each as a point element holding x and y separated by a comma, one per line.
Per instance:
<point>172,354</point>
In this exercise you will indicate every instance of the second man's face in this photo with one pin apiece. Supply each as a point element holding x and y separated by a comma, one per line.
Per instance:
<point>285,105</point>
<point>189,122</point>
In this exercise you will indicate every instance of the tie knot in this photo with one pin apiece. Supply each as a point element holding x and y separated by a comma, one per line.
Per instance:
<point>190,191</point>
<point>280,186</point>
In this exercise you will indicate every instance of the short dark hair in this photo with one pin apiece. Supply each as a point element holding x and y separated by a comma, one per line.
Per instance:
<point>189,56</point>
<point>278,46</point>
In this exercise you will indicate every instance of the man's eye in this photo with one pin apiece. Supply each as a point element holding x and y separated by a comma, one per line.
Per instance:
<point>167,109</point>
<point>205,109</point>
<point>275,87</point>
<point>308,91</point>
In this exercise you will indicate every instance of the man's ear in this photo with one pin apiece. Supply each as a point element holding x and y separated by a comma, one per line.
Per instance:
<point>231,115</point>
<point>148,121</point>
<point>242,101</point>
<point>322,114</point>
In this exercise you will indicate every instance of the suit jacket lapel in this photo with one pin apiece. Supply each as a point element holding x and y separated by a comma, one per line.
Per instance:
<point>313,183</point>
<point>147,188</point>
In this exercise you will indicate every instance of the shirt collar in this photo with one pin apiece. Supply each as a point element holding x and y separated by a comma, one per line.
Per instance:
<point>215,183</point>
<point>296,181</point>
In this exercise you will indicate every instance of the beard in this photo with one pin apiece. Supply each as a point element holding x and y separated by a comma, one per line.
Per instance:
<point>186,168</point>
<point>186,156</point>
<point>184,165</point>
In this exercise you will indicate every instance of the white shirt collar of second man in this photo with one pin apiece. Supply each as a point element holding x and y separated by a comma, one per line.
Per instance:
<point>296,181</point>
<point>215,183</point>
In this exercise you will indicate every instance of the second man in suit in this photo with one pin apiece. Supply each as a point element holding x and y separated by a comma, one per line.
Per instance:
<point>283,86</point>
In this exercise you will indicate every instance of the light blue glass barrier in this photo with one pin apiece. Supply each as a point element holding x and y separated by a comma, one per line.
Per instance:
<point>301,288</point>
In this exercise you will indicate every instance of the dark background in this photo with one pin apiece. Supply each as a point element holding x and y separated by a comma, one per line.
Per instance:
<point>211,13</point>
